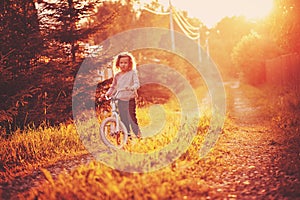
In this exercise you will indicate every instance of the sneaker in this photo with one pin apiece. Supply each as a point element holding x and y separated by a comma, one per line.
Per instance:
<point>138,135</point>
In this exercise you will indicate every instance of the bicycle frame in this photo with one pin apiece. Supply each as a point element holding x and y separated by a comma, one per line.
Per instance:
<point>115,127</point>
<point>114,110</point>
<point>115,113</point>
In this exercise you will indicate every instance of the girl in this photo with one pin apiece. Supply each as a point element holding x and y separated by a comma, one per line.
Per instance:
<point>126,82</point>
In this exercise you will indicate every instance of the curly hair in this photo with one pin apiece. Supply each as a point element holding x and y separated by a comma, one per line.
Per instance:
<point>124,55</point>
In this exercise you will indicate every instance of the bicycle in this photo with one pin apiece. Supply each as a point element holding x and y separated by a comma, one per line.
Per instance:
<point>113,132</point>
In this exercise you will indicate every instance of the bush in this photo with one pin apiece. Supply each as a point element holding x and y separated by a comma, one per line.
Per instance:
<point>249,56</point>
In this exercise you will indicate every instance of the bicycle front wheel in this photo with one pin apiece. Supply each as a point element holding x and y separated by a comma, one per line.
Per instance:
<point>109,134</point>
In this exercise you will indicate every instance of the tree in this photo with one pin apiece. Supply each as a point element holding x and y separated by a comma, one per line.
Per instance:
<point>20,34</point>
<point>150,19</point>
<point>121,17</point>
<point>37,73</point>
<point>21,44</point>
<point>62,23</point>
<point>249,56</point>
<point>222,39</point>
<point>284,24</point>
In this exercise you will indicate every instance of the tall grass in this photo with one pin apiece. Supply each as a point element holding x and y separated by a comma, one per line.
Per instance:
<point>284,106</point>
<point>96,180</point>
<point>34,146</point>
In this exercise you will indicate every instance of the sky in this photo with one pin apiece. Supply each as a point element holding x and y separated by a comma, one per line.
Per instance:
<point>212,11</point>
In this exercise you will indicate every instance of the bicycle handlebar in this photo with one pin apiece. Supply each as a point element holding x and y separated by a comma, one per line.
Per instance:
<point>117,92</point>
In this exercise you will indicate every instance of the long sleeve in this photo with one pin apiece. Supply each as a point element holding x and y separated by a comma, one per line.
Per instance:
<point>128,80</point>
<point>136,82</point>
<point>113,87</point>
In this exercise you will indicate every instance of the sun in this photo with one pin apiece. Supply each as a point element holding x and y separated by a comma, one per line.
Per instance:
<point>212,11</point>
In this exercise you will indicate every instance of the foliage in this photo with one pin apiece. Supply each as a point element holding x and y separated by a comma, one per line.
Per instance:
<point>41,49</point>
<point>122,18</point>
<point>222,39</point>
<point>285,106</point>
<point>250,54</point>
<point>91,181</point>
<point>19,35</point>
<point>33,146</point>
<point>52,53</point>
<point>284,25</point>
<point>21,43</point>
<point>147,19</point>
<point>233,169</point>
<point>37,73</point>
<point>60,23</point>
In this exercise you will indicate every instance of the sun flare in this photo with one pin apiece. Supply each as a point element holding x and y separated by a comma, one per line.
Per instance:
<point>212,11</point>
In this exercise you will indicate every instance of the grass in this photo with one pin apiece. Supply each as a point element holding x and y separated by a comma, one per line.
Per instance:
<point>287,105</point>
<point>34,148</point>
<point>26,150</point>
<point>98,181</point>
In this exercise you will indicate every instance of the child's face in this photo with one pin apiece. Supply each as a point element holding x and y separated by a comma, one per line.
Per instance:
<point>124,64</point>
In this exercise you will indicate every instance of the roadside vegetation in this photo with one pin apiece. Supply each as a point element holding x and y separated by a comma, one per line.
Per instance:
<point>188,176</point>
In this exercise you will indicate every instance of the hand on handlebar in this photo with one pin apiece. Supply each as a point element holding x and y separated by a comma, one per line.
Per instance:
<point>104,96</point>
<point>129,88</point>
<point>108,97</point>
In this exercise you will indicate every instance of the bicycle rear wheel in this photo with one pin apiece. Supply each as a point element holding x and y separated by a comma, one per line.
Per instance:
<point>111,137</point>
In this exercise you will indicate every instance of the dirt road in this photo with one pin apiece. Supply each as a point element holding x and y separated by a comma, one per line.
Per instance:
<point>256,159</point>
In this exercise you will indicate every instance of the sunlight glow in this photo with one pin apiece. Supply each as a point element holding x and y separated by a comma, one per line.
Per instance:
<point>212,11</point>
